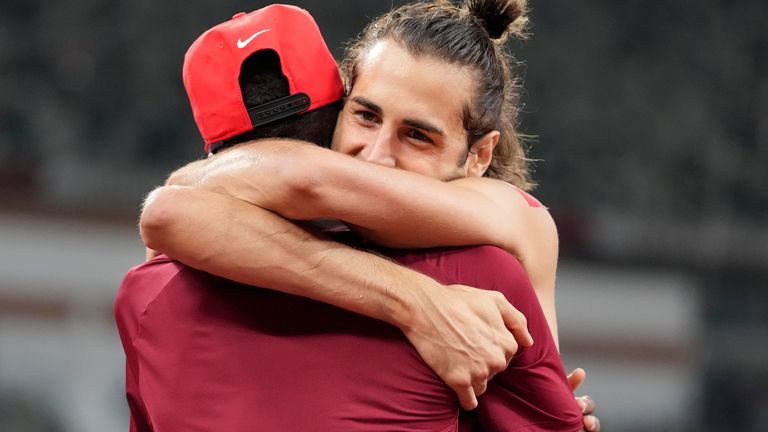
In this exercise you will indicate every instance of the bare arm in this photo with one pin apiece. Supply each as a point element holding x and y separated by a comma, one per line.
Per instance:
<point>391,207</point>
<point>305,182</point>
<point>461,332</point>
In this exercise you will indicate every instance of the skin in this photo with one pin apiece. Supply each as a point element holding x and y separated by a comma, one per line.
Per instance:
<point>402,115</point>
<point>404,112</point>
<point>465,335</point>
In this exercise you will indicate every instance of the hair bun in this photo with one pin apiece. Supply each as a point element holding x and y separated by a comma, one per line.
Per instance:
<point>500,16</point>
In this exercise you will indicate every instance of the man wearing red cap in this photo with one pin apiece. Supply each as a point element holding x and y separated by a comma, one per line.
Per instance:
<point>212,68</point>
<point>261,359</point>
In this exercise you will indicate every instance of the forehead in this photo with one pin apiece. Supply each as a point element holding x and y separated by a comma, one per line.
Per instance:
<point>419,87</point>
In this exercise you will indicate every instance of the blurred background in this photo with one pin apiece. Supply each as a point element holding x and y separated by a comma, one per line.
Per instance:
<point>651,125</point>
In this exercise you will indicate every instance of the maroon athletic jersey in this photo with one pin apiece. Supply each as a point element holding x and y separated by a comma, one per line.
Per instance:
<point>207,354</point>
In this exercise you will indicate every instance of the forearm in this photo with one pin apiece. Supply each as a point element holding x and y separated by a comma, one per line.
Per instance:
<point>464,334</point>
<point>256,247</point>
<point>188,175</point>
<point>260,172</point>
<point>392,207</point>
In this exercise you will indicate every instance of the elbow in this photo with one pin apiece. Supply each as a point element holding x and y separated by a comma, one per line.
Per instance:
<point>157,216</point>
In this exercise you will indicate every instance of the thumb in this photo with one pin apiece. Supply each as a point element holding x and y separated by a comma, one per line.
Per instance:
<point>576,378</point>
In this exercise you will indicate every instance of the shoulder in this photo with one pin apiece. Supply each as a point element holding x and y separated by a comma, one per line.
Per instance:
<point>140,287</point>
<point>494,262</point>
<point>468,258</point>
<point>485,267</point>
<point>144,281</point>
<point>528,222</point>
<point>511,200</point>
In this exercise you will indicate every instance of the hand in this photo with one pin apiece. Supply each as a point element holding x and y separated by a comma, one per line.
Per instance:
<point>467,335</point>
<point>587,405</point>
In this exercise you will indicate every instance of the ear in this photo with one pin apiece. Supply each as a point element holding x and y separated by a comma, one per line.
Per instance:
<point>481,154</point>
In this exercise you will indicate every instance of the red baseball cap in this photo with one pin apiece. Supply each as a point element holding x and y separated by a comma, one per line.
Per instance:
<point>213,62</point>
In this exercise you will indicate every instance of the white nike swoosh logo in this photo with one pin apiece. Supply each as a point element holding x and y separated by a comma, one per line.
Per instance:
<point>242,44</point>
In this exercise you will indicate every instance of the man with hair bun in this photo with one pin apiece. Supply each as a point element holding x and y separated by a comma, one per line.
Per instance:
<point>429,93</point>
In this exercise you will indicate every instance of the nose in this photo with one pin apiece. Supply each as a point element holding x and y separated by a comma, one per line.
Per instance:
<point>380,151</point>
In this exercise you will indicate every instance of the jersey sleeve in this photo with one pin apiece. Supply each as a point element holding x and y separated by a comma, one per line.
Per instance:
<point>133,298</point>
<point>532,394</point>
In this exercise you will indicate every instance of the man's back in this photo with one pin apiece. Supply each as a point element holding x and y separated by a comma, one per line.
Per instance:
<point>210,354</point>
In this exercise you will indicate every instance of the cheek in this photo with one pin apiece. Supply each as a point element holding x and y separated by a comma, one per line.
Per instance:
<point>337,129</point>
<point>348,137</point>
<point>341,134</point>
<point>437,164</point>
<point>337,139</point>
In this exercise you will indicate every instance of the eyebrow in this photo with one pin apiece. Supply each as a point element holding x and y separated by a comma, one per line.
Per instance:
<point>368,104</point>
<point>415,123</point>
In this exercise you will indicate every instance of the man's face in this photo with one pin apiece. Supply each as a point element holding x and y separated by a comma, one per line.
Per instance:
<point>405,112</point>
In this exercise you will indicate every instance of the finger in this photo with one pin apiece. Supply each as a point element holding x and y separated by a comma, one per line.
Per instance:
<point>467,398</point>
<point>587,404</point>
<point>508,346</point>
<point>516,323</point>
<point>591,424</point>
<point>576,378</point>
<point>480,387</point>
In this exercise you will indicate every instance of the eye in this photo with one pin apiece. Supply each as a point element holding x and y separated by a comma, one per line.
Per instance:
<point>418,135</point>
<point>366,116</point>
